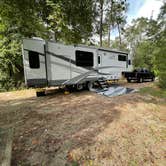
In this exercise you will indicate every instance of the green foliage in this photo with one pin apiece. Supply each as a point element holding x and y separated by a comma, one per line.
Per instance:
<point>160,51</point>
<point>146,40</point>
<point>18,19</point>
<point>71,20</point>
<point>156,92</point>
<point>22,17</point>
<point>160,59</point>
<point>115,45</point>
<point>136,33</point>
<point>144,55</point>
<point>115,12</point>
<point>9,54</point>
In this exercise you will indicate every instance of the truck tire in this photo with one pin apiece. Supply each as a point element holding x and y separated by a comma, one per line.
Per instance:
<point>128,80</point>
<point>140,80</point>
<point>152,79</point>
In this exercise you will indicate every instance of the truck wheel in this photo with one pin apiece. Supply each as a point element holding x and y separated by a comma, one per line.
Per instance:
<point>140,80</point>
<point>152,79</point>
<point>128,80</point>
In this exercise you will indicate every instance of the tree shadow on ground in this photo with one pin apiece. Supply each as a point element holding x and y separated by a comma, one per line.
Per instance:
<point>51,126</point>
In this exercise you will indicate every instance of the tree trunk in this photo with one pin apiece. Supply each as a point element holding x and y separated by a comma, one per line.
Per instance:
<point>110,23</point>
<point>10,70</point>
<point>101,22</point>
<point>120,39</point>
<point>109,35</point>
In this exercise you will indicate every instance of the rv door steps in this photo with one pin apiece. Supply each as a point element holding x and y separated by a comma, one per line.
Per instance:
<point>103,83</point>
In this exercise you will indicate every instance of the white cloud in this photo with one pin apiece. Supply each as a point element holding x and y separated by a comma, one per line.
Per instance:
<point>150,7</point>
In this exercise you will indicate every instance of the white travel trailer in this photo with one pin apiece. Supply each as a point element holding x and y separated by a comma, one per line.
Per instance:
<point>47,63</point>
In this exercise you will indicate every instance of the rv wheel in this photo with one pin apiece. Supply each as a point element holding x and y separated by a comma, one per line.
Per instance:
<point>79,87</point>
<point>90,85</point>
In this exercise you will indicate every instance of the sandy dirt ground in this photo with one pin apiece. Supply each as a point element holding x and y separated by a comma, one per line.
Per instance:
<point>84,128</point>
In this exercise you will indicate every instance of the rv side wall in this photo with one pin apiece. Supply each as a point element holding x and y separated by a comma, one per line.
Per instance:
<point>34,63</point>
<point>116,62</point>
<point>51,64</point>
<point>62,64</point>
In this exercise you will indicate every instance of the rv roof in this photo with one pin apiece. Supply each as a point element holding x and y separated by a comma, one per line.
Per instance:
<point>84,46</point>
<point>103,49</point>
<point>94,47</point>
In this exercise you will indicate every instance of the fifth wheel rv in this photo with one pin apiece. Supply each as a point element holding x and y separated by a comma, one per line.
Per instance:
<point>47,63</point>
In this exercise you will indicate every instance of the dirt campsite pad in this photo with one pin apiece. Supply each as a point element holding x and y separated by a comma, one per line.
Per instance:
<point>84,128</point>
<point>5,146</point>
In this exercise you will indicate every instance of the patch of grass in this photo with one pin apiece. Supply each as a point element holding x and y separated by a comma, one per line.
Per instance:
<point>133,163</point>
<point>154,91</point>
<point>75,163</point>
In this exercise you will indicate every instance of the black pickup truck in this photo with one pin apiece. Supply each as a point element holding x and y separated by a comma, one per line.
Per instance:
<point>139,75</point>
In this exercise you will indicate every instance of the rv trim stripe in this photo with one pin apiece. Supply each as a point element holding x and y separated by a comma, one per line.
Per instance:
<point>43,82</point>
<point>62,57</point>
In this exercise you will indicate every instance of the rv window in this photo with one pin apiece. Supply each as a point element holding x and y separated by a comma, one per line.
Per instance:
<point>34,60</point>
<point>121,58</point>
<point>84,58</point>
<point>98,59</point>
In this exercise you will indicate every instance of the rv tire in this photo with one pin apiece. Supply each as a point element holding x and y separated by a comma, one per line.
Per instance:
<point>90,85</point>
<point>79,87</point>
